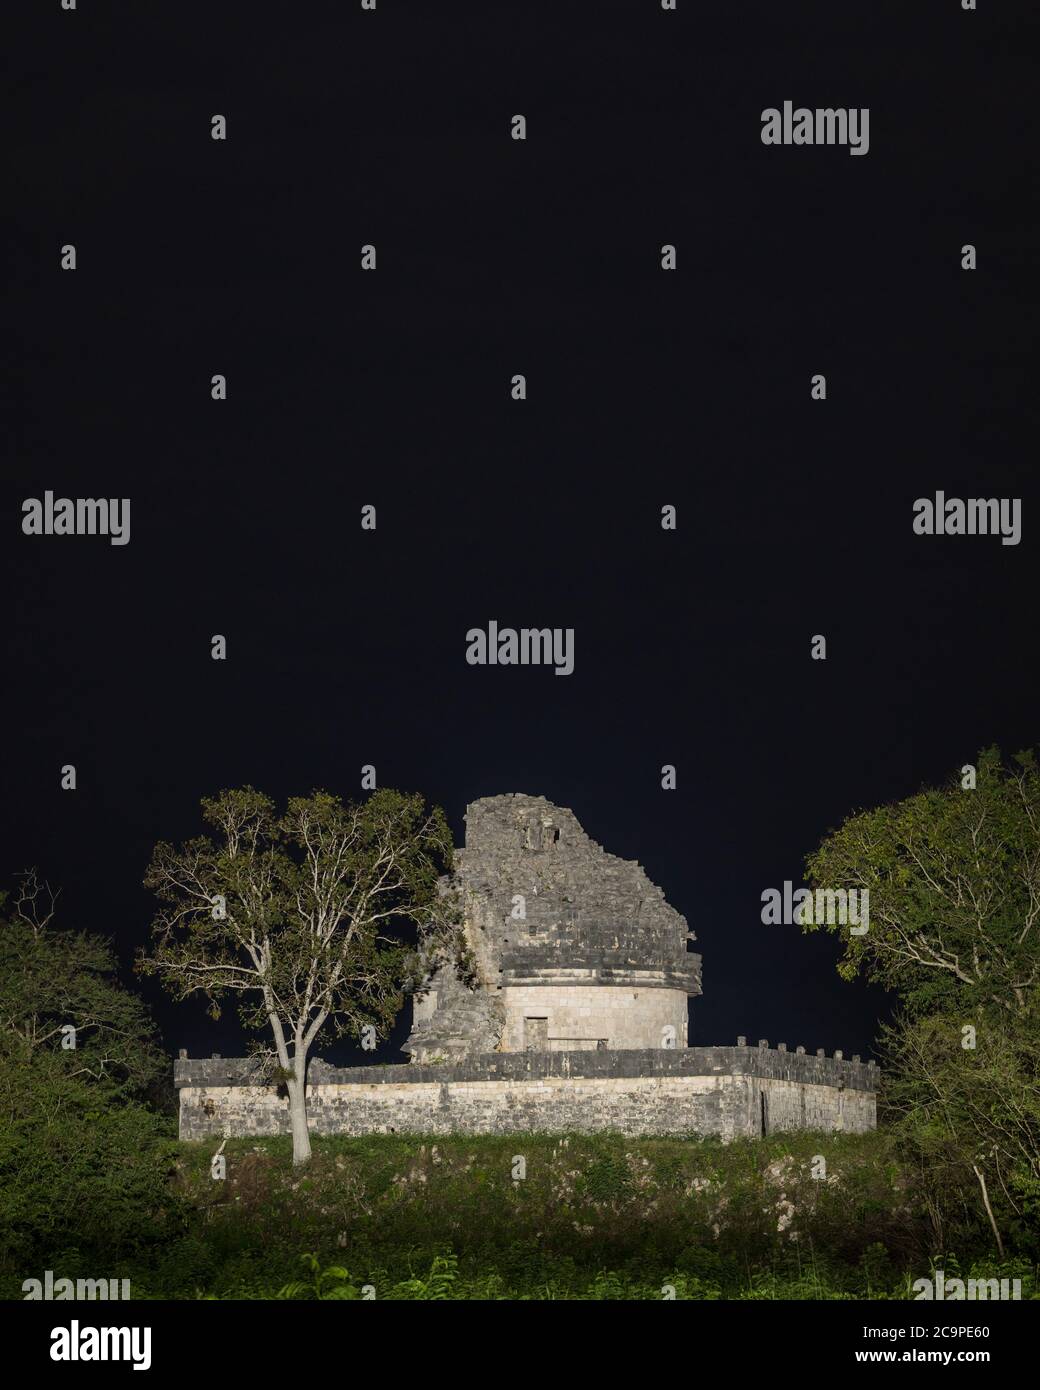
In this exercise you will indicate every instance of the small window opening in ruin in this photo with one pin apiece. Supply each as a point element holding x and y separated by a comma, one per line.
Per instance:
<point>208,1108</point>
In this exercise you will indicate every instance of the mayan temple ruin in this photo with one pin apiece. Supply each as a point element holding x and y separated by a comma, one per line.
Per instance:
<point>575,950</point>
<point>567,1012</point>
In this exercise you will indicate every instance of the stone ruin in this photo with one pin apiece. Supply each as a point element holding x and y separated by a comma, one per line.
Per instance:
<point>564,1011</point>
<point>571,949</point>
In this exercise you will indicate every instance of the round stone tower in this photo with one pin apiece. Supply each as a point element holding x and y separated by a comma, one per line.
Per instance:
<point>572,948</point>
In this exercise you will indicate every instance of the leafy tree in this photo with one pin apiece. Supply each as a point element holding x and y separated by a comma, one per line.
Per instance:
<point>299,916</point>
<point>954,880</point>
<point>83,1164</point>
<point>84,1176</point>
<point>53,981</point>
<point>966,1098</point>
<point>953,875</point>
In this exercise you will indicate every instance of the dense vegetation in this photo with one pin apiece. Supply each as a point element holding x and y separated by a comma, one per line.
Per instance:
<point>94,1184</point>
<point>953,876</point>
<point>595,1217</point>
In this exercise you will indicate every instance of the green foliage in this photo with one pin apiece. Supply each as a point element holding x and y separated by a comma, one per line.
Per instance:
<point>954,878</point>
<point>299,917</point>
<point>51,977</point>
<point>84,1164</point>
<point>598,1217</point>
<point>967,1119</point>
<point>606,1286</point>
<point>333,1282</point>
<point>953,875</point>
<point>607,1179</point>
<point>439,1284</point>
<point>79,1174</point>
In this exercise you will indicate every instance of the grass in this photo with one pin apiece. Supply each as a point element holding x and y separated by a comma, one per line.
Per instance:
<point>592,1217</point>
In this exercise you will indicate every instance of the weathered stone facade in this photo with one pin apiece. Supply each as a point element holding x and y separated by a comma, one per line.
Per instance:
<point>572,948</point>
<point>584,1018</point>
<point>568,1015</point>
<point>730,1092</point>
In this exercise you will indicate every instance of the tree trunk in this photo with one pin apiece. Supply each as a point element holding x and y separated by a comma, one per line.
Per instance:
<point>301,1139</point>
<point>989,1209</point>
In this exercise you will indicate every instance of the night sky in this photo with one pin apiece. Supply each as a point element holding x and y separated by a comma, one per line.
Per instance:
<point>645,388</point>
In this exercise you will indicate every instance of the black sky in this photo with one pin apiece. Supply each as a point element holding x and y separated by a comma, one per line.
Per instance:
<point>645,388</point>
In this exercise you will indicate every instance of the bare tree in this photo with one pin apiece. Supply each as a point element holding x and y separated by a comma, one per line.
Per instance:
<point>301,917</point>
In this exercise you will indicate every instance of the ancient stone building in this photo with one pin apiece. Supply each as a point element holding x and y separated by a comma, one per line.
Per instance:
<point>566,1010</point>
<point>572,949</point>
